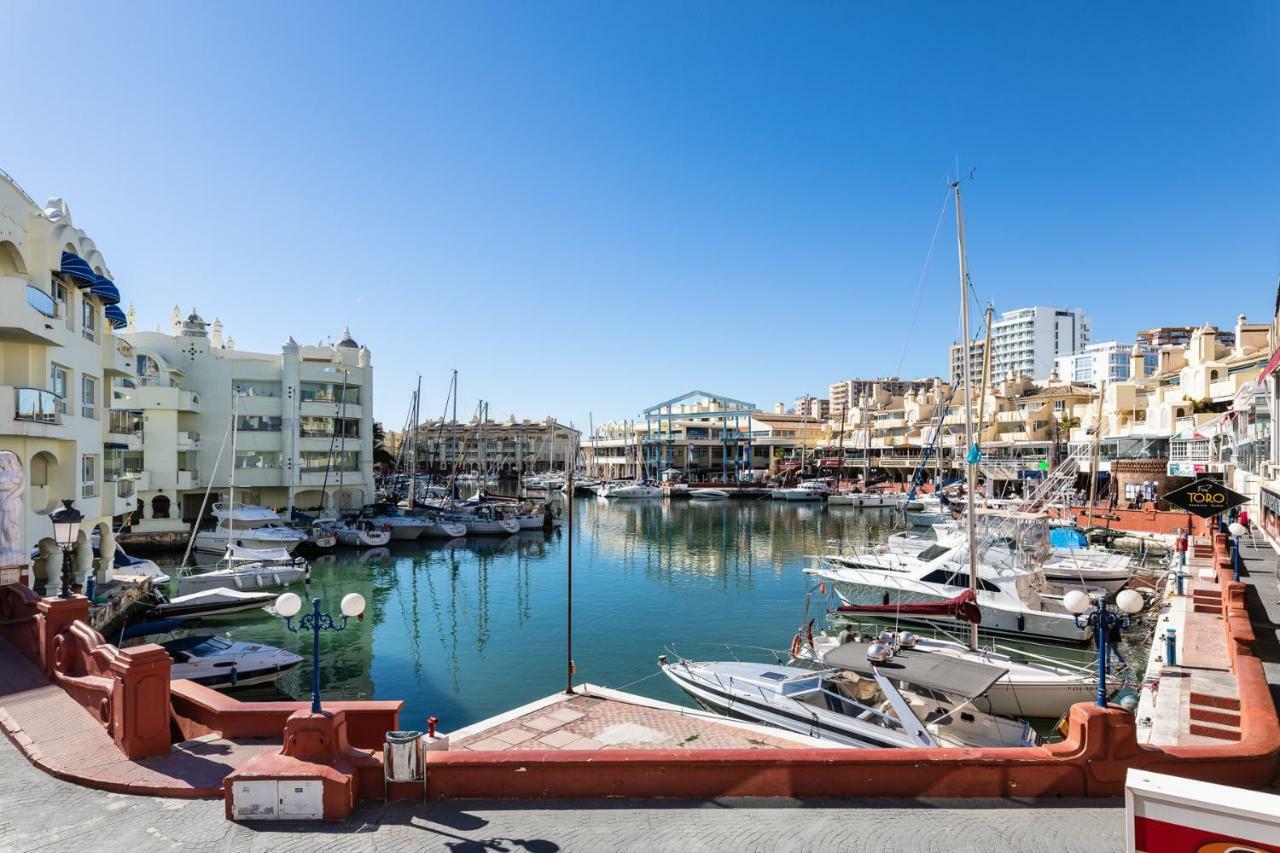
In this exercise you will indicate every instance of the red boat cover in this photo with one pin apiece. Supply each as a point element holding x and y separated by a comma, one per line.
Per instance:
<point>963,607</point>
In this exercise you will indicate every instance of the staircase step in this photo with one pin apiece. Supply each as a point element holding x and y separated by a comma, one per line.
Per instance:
<point>1218,718</point>
<point>1208,608</point>
<point>1210,730</point>
<point>1210,700</point>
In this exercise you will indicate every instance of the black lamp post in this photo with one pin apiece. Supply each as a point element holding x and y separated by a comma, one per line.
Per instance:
<point>66,528</point>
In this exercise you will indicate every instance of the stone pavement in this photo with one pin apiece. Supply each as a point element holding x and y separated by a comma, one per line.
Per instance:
<point>62,738</point>
<point>41,813</point>
<point>1261,570</point>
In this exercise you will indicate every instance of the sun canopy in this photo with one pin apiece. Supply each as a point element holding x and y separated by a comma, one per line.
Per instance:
<point>74,266</point>
<point>115,316</point>
<point>105,290</point>
<point>953,676</point>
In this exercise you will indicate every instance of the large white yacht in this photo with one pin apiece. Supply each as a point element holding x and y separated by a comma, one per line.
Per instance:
<point>247,526</point>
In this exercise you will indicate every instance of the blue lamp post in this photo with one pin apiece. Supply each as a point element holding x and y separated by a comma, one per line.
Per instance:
<point>1103,617</point>
<point>289,604</point>
<point>1237,530</point>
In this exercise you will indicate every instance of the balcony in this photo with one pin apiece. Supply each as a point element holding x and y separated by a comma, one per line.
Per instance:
<point>189,440</point>
<point>36,405</point>
<point>29,315</point>
<point>118,497</point>
<point>188,480</point>
<point>119,358</point>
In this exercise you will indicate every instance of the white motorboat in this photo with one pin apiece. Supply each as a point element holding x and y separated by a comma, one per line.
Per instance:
<point>208,602</point>
<point>708,495</point>
<point>1026,689</point>
<point>221,663</point>
<point>810,490</point>
<point>403,527</point>
<point>360,533</point>
<point>248,527</point>
<point>1012,599</point>
<point>137,567</point>
<point>631,491</point>
<point>927,511</point>
<point>248,569</point>
<point>883,701</point>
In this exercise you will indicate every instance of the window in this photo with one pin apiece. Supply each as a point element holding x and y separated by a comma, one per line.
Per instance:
<point>58,378</point>
<point>1059,405</point>
<point>88,319</point>
<point>318,461</point>
<point>957,579</point>
<point>258,423</point>
<point>146,366</point>
<point>328,392</point>
<point>89,397</point>
<point>320,427</point>
<point>258,459</point>
<point>62,297</point>
<point>257,388</point>
<point>88,476</point>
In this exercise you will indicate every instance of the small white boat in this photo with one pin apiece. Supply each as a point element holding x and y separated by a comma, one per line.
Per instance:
<point>218,662</point>
<point>360,533</point>
<point>708,494</point>
<point>812,490</point>
<point>248,527</point>
<point>137,567</point>
<point>209,602</point>
<point>631,491</point>
<point>249,569</point>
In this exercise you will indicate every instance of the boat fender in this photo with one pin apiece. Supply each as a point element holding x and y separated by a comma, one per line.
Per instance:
<point>235,676</point>
<point>886,597</point>
<point>386,528</point>
<point>797,642</point>
<point>1022,621</point>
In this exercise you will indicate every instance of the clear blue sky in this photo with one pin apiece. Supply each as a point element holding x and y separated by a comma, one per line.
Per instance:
<point>596,206</point>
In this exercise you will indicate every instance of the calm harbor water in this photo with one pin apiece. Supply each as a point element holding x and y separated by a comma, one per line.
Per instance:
<point>469,629</point>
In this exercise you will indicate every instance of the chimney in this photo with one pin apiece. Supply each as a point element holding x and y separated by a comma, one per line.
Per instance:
<point>1137,363</point>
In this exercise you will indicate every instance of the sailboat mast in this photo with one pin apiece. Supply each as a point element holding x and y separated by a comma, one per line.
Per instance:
<point>231,514</point>
<point>971,450</point>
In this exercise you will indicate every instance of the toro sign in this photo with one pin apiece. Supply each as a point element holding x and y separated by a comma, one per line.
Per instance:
<point>1205,498</point>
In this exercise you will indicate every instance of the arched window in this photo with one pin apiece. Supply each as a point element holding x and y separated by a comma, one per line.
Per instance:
<point>11,262</point>
<point>160,507</point>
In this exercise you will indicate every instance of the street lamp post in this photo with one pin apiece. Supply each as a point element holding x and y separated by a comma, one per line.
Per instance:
<point>66,529</point>
<point>288,605</point>
<point>1237,530</point>
<point>1103,617</point>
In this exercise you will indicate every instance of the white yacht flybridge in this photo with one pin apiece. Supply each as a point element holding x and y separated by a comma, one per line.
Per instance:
<point>249,527</point>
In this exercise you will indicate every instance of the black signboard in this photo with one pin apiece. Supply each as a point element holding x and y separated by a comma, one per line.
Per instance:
<point>1205,498</point>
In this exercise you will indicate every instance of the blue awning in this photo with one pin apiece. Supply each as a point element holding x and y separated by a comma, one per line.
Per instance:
<point>115,316</point>
<point>78,268</point>
<point>105,289</point>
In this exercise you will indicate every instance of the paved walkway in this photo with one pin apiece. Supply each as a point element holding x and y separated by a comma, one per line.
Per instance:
<point>1261,570</point>
<point>62,738</point>
<point>41,813</point>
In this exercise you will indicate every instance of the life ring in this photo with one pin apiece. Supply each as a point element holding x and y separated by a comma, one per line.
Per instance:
<point>386,528</point>
<point>797,643</point>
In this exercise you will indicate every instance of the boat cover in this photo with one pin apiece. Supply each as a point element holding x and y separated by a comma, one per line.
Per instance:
<point>946,674</point>
<point>963,607</point>
<point>240,552</point>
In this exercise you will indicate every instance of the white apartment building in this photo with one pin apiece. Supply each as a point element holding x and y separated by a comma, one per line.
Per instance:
<point>812,407</point>
<point>1027,341</point>
<point>303,424</point>
<point>1107,361</point>
<point>846,393</point>
<point>58,355</point>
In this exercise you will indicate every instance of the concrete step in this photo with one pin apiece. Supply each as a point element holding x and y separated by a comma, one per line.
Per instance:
<point>1227,719</point>
<point>1212,700</point>
<point>1213,731</point>
<point>1208,608</point>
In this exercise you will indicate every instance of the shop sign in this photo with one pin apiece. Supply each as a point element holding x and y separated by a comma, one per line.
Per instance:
<point>1205,498</point>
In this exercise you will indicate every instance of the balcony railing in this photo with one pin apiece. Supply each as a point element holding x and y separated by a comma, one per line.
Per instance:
<point>37,404</point>
<point>41,301</point>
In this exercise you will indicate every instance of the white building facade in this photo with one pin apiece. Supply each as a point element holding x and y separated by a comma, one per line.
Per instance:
<point>1027,341</point>
<point>303,425</point>
<point>58,355</point>
<point>1109,361</point>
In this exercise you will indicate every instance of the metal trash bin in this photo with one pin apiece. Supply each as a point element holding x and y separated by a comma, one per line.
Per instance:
<point>402,757</point>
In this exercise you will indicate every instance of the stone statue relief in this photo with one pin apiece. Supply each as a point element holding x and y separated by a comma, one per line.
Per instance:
<point>11,551</point>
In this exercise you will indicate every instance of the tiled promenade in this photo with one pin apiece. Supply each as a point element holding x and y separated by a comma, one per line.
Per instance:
<point>62,738</point>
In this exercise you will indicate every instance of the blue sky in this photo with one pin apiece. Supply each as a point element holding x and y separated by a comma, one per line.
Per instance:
<point>594,207</point>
